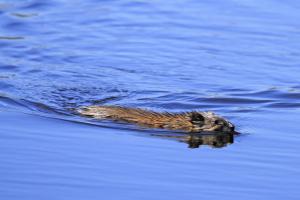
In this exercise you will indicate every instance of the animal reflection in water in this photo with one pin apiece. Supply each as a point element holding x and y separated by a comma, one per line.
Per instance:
<point>195,140</point>
<point>202,128</point>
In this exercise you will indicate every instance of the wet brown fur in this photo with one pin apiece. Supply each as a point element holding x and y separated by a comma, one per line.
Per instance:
<point>174,121</point>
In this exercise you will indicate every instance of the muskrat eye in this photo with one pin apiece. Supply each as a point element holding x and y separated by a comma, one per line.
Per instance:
<point>219,122</point>
<point>197,118</point>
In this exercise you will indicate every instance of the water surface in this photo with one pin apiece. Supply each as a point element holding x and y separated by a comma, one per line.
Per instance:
<point>237,58</point>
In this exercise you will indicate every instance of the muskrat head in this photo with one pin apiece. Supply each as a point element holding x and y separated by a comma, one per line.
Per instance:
<point>208,121</point>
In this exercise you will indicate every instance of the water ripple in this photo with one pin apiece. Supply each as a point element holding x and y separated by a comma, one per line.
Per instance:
<point>238,59</point>
<point>11,38</point>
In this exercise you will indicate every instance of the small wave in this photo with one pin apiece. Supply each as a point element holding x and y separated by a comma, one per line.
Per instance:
<point>11,37</point>
<point>24,15</point>
<point>35,5</point>
<point>232,100</point>
<point>268,98</point>
<point>6,102</point>
<point>284,105</point>
<point>275,94</point>
<point>22,104</point>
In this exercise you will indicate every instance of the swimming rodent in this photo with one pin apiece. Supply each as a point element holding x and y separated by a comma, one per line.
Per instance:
<point>187,121</point>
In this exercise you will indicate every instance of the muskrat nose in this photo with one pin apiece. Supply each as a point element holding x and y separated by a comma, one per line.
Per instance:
<point>228,127</point>
<point>232,129</point>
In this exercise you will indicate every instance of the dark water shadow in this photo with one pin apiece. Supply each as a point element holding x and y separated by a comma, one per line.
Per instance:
<point>195,140</point>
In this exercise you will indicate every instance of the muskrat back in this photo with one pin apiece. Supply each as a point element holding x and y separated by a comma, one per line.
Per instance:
<point>194,121</point>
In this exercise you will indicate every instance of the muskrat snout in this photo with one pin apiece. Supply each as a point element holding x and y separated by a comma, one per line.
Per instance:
<point>227,129</point>
<point>224,126</point>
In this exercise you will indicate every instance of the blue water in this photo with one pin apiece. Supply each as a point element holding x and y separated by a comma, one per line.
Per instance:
<point>239,59</point>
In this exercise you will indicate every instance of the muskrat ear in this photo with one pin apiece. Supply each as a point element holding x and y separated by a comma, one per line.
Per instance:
<point>196,118</point>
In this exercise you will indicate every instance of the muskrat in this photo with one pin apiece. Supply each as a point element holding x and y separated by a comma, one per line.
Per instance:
<point>194,121</point>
